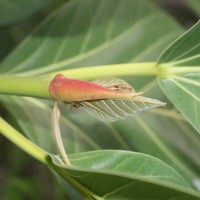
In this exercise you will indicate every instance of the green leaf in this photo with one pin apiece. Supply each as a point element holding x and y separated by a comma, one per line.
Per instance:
<point>181,85</point>
<point>12,11</point>
<point>123,175</point>
<point>159,135</point>
<point>85,33</point>
<point>82,133</point>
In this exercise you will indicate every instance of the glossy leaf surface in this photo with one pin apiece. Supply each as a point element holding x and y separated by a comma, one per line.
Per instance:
<point>124,175</point>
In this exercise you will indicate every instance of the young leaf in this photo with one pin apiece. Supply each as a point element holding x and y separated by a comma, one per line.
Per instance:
<point>112,110</point>
<point>69,90</point>
<point>182,81</point>
<point>114,84</point>
<point>106,99</point>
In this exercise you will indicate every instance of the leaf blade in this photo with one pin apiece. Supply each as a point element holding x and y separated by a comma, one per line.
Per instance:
<point>29,60</point>
<point>116,168</point>
<point>182,84</point>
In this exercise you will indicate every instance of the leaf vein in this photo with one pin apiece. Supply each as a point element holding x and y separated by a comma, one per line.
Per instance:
<point>79,57</point>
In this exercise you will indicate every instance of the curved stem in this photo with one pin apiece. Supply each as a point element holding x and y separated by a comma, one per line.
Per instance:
<point>26,145</point>
<point>22,142</point>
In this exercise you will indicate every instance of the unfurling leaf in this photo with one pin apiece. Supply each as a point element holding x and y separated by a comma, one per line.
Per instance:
<point>107,99</point>
<point>112,110</point>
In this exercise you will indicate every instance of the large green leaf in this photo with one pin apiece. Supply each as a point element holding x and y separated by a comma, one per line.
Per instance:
<point>182,83</point>
<point>12,11</point>
<point>84,133</point>
<point>93,32</point>
<point>124,175</point>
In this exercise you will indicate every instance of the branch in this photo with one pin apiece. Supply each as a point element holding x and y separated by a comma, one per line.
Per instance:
<point>38,86</point>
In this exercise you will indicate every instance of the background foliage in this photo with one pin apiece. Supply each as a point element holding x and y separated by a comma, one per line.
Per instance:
<point>53,36</point>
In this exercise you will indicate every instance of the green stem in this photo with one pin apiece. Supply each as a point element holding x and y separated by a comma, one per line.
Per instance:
<point>25,86</point>
<point>26,145</point>
<point>22,142</point>
<point>37,86</point>
<point>131,69</point>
